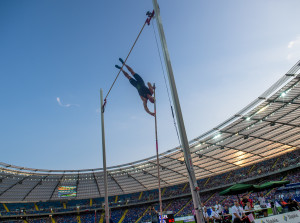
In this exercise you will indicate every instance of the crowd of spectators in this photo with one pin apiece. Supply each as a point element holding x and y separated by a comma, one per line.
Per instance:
<point>217,208</point>
<point>180,202</point>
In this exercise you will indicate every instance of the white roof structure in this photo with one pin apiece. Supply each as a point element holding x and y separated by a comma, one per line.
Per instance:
<point>267,127</point>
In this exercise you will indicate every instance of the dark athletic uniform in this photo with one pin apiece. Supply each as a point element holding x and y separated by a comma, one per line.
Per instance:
<point>139,84</point>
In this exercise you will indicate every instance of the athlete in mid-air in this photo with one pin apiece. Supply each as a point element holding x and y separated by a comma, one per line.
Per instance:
<point>144,92</point>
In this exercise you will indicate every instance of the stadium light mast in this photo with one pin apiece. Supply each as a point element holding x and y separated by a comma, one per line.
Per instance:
<point>104,158</point>
<point>179,118</point>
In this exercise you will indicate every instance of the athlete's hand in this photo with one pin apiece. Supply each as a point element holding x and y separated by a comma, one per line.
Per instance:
<point>153,114</point>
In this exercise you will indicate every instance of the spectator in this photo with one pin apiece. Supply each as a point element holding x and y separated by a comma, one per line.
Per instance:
<point>249,211</point>
<point>250,201</point>
<point>244,201</point>
<point>248,207</point>
<point>283,203</point>
<point>226,216</point>
<point>215,215</point>
<point>203,206</point>
<point>205,214</point>
<point>281,196</point>
<point>238,214</point>
<point>154,215</point>
<point>219,208</point>
<point>194,214</point>
<point>263,204</point>
<point>292,204</point>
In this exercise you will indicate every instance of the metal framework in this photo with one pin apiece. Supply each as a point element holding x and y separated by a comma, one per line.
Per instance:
<point>267,127</point>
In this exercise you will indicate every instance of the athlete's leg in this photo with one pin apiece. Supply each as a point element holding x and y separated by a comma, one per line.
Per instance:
<point>129,68</point>
<point>151,98</point>
<point>135,75</point>
<point>124,72</point>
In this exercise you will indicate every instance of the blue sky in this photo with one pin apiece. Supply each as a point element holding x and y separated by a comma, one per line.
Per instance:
<point>224,54</point>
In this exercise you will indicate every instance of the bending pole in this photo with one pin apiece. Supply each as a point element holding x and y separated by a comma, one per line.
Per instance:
<point>157,161</point>
<point>179,118</point>
<point>104,158</point>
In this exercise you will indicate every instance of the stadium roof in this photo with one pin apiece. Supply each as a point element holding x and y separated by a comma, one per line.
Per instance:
<point>267,127</point>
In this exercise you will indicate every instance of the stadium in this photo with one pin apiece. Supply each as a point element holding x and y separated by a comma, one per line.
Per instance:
<point>257,145</point>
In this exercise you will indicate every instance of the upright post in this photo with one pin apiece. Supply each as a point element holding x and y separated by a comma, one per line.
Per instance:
<point>104,159</point>
<point>157,160</point>
<point>179,118</point>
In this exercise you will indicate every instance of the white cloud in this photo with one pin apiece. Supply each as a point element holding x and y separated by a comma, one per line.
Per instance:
<point>291,44</point>
<point>294,43</point>
<point>294,49</point>
<point>66,105</point>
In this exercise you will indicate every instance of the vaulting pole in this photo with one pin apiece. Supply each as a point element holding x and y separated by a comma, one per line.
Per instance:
<point>104,159</point>
<point>157,161</point>
<point>179,118</point>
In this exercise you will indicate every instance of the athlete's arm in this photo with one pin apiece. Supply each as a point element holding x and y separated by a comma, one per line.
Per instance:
<point>146,107</point>
<point>151,88</point>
